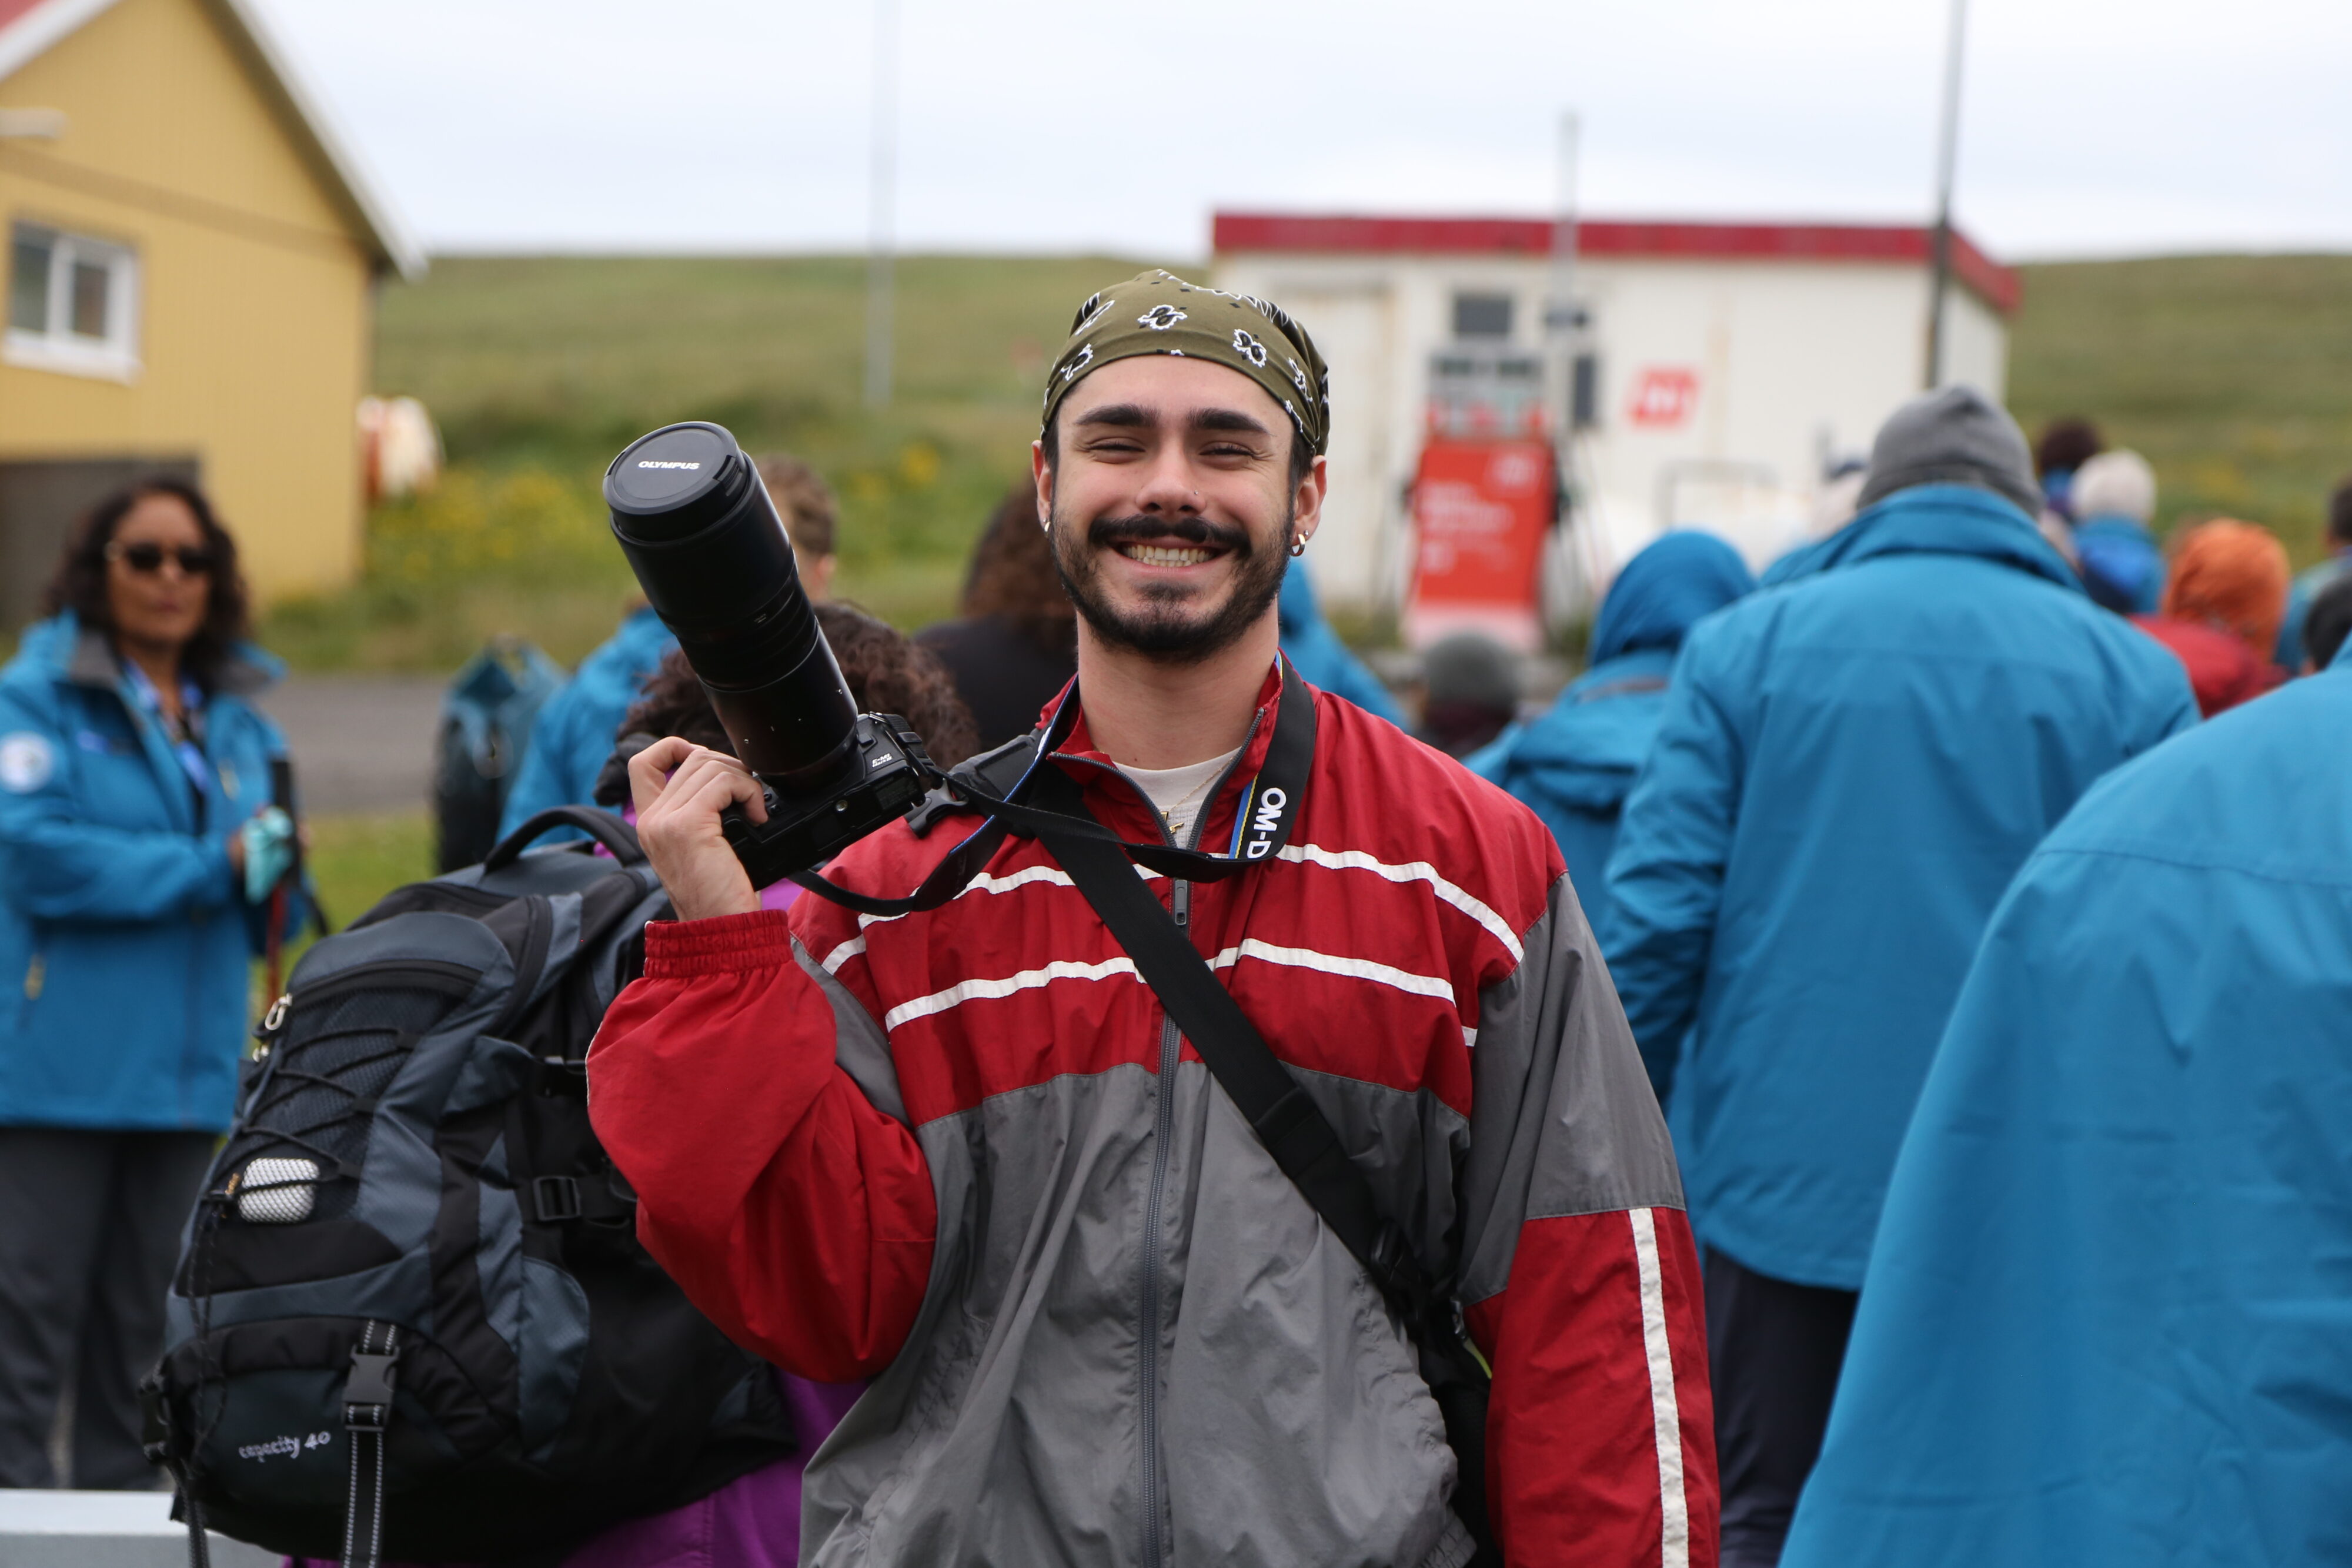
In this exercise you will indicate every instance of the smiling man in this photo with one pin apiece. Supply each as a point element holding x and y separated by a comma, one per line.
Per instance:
<point>966,1152</point>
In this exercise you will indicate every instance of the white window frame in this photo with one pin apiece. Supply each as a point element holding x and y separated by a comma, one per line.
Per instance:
<point>115,357</point>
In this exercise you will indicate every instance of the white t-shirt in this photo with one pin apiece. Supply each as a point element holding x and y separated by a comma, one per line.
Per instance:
<point>1178,793</point>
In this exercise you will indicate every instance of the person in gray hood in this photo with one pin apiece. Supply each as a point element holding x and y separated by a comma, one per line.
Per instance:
<point>966,1151</point>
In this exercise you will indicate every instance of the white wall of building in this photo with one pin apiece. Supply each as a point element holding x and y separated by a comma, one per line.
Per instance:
<point>1792,361</point>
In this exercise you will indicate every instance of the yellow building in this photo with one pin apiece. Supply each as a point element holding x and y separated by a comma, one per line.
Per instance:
<point>191,268</point>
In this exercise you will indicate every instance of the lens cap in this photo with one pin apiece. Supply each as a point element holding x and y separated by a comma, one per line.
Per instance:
<point>676,481</point>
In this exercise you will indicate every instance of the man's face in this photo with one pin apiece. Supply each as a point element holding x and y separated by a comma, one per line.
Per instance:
<point>1171,504</point>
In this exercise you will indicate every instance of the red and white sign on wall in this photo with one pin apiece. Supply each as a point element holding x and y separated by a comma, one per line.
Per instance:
<point>1664,396</point>
<point>1480,512</point>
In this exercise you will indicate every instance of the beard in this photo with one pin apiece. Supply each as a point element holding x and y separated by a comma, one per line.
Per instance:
<point>1170,626</point>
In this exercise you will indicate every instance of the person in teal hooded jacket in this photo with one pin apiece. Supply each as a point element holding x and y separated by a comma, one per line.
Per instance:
<point>1575,763</point>
<point>1851,768</point>
<point>135,831</point>
<point>2107,1323</point>
<point>572,735</point>
<point>1310,644</point>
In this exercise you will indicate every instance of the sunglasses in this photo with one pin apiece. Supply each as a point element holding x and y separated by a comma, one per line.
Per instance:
<point>147,560</point>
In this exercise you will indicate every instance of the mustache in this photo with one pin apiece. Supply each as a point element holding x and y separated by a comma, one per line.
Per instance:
<point>1104,533</point>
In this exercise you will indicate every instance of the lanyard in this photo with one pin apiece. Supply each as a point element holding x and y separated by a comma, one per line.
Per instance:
<point>183,737</point>
<point>1269,809</point>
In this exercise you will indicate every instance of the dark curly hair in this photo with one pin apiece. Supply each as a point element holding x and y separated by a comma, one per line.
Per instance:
<point>1012,575</point>
<point>79,584</point>
<point>887,674</point>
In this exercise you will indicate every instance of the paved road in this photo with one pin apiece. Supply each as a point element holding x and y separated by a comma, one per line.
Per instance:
<point>360,743</point>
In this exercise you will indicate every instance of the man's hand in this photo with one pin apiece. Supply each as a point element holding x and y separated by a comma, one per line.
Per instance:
<point>680,789</point>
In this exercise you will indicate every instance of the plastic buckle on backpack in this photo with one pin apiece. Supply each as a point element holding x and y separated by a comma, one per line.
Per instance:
<point>155,1419</point>
<point>557,1198</point>
<point>367,1392</point>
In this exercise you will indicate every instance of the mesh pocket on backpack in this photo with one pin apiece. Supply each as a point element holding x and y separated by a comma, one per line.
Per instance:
<point>341,1048</point>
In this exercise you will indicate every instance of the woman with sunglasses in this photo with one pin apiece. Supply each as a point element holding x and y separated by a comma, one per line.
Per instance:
<point>135,784</point>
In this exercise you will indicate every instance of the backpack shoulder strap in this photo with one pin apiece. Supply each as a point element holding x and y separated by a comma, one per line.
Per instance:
<point>605,827</point>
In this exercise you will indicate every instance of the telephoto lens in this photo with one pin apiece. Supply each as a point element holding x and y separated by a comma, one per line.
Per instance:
<point>712,556</point>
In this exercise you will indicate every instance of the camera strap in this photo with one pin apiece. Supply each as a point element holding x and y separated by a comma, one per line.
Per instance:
<point>1269,809</point>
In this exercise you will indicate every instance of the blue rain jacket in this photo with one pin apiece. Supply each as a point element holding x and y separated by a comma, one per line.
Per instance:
<point>573,733</point>
<point>1850,769</point>
<point>1574,765</point>
<point>2123,566</point>
<point>2109,1321</point>
<point>125,944</point>
<point>1308,642</point>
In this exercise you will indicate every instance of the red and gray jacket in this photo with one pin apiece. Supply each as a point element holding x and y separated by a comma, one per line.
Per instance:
<point>964,1152</point>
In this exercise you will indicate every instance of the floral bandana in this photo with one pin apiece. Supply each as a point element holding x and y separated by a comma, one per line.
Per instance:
<point>1158,313</point>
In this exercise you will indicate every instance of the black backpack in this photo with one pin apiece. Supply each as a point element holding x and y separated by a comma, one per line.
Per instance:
<point>411,1317</point>
<point>486,719</point>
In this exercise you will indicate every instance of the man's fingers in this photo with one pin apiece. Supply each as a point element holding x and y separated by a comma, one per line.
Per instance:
<point>650,769</point>
<point>699,780</point>
<point>711,784</point>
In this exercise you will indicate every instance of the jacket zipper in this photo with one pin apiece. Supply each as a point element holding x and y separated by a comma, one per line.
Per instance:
<point>1163,1128</point>
<point>1155,1503</point>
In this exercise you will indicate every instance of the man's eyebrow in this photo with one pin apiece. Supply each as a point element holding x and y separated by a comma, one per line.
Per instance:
<point>1229,419</point>
<point>1118,413</point>
<point>1135,416</point>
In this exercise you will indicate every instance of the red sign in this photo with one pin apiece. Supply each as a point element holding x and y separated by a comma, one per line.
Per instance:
<point>1664,396</point>
<point>1481,509</point>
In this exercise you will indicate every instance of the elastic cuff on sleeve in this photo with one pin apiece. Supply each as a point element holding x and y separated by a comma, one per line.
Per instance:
<point>717,944</point>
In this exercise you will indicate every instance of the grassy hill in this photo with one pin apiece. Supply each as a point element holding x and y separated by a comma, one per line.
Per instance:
<point>2234,374</point>
<point>538,368</point>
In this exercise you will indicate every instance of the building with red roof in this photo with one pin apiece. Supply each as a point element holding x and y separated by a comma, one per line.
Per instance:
<point>1729,367</point>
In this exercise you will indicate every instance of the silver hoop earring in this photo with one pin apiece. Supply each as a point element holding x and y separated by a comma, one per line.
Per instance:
<point>1298,545</point>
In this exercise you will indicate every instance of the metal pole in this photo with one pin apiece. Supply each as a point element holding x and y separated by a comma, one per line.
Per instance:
<point>881,202</point>
<point>1946,156</point>
<point>1561,318</point>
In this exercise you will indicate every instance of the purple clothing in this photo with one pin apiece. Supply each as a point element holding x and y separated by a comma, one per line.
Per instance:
<point>775,895</point>
<point>753,1521</point>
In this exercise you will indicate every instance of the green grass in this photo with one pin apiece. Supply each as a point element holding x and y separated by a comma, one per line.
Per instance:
<point>2227,372</point>
<point>2232,374</point>
<point>354,861</point>
<point>537,369</point>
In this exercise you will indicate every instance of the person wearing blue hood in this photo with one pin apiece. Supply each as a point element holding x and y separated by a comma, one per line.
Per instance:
<point>1575,764</point>
<point>2107,1322</point>
<point>1851,768</point>
<point>2114,500</point>
<point>578,721</point>
<point>1309,643</point>
<point>138,849</point>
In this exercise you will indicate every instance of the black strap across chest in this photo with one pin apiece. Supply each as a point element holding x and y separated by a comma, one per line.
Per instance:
<point>1288,1123</point>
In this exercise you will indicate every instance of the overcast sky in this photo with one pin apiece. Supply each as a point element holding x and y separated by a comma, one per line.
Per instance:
<point>2091,126</point>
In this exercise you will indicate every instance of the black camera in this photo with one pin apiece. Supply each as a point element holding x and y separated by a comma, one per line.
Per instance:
<point>712,557</point>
